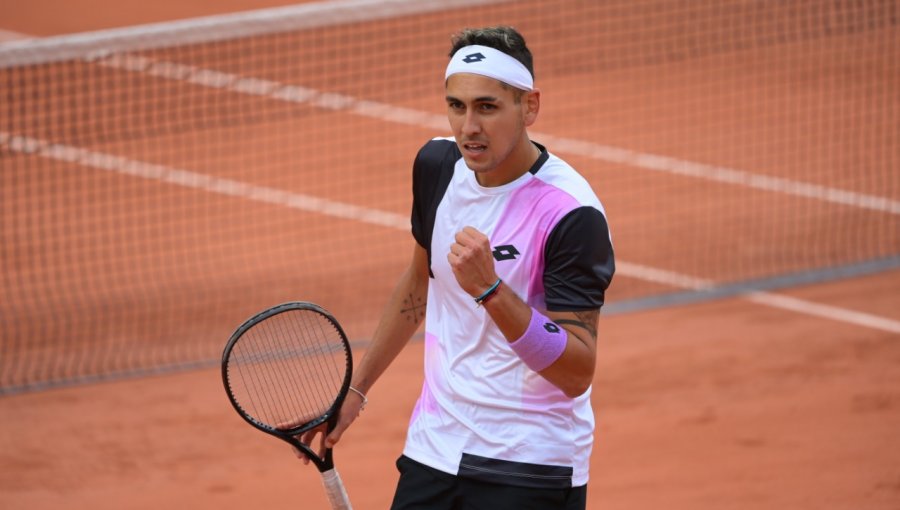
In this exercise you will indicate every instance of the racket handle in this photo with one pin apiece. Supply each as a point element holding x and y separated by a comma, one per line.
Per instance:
<point>335,490</point>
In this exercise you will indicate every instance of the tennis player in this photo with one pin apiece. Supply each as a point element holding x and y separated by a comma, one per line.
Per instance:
<point>509,270</point>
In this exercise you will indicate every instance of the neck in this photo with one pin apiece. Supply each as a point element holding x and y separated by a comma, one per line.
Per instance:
<point>520,161</point>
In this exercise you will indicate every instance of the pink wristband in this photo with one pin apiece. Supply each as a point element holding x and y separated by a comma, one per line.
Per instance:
<point>541,344</point>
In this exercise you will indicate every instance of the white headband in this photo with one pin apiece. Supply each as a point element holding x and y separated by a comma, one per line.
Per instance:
<point>491,63</point>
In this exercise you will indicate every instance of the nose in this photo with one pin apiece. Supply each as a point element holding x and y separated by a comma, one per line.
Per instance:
<point>471,124</point>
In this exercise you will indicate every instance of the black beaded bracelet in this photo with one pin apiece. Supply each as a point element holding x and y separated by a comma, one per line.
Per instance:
<point>480,300</point>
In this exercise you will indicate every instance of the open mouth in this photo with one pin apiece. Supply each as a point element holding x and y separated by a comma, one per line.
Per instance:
<point>474,147</point>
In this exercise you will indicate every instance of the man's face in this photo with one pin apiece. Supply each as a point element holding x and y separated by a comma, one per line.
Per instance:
<point>488,124</point>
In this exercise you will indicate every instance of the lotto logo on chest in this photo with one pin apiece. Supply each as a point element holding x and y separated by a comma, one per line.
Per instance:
<point>505,252</point>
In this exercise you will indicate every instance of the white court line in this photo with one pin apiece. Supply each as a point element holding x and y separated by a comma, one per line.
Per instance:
<point>769,299</point>
<point>662,277</point>
<point>825,311</point>
<point>408,116</point>
<point>8,35</point>
<point>229,187</point>
<point>194,180</point>
<point>218,27</point>
<point>721,174</point>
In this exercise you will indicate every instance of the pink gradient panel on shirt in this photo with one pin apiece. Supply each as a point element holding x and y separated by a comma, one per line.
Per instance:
<point>426,402</point>
<point>533,210</point>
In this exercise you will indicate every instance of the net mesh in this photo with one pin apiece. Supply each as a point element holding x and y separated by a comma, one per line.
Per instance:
<point>160,184</point>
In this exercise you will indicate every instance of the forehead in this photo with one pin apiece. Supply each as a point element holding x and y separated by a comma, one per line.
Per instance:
<point>467,86</point>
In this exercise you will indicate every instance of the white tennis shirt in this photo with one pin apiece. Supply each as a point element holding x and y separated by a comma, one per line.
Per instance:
<point>482,412</point>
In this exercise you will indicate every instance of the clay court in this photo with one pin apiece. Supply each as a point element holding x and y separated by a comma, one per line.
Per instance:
<point>749,353</point>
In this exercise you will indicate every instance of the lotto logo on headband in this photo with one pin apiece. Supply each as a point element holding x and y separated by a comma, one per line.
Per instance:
<point>474,57</point>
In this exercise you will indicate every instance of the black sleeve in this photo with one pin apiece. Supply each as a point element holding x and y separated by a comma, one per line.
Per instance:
<point>432,171</point>
<point>579,262</point>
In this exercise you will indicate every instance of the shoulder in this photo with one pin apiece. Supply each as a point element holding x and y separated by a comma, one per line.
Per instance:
<point>438,153</point>
<point>562,176</point>
<point>433,168</point>
<point>432,173</point>
<point>583,215</point>
<point>578,254</point>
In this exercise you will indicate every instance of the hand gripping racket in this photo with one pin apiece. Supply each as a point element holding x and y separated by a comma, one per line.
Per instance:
<point>286,371</point>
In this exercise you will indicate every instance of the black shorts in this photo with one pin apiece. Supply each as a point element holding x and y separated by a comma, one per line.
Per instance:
<point>424,488</point>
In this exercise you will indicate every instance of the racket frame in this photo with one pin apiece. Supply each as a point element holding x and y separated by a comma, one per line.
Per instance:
<point>325,463</point>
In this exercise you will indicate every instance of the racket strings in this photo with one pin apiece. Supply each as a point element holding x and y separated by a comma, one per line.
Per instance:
<point>289,380</point>
<point>326,368</point>
<point>282,398</point>
<point>287,369</point>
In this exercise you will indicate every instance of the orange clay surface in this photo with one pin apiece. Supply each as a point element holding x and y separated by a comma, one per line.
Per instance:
<point>722,405</point>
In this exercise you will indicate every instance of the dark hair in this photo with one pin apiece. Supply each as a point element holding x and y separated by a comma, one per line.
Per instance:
<point>502,38</point>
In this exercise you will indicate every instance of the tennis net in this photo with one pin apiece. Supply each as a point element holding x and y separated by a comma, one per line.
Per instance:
<point>161,183</point>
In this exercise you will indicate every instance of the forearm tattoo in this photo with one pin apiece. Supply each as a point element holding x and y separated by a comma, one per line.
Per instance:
<point>413,308</point>
<point>586,319</point>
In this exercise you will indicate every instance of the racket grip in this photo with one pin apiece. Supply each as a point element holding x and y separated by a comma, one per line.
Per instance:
<point>335,490</point>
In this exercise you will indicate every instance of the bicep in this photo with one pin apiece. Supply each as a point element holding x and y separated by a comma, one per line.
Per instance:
<point>412,291</point>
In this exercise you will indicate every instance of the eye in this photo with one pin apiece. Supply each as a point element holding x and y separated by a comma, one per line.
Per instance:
<point>486,107</point>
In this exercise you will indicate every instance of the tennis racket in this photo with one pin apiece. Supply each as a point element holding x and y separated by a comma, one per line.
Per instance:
<point>286,371</point>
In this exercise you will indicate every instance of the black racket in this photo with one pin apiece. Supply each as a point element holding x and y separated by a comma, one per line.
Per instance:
<point>286,371</point>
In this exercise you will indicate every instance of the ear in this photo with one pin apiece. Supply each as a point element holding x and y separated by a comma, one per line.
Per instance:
<point>531,105</point>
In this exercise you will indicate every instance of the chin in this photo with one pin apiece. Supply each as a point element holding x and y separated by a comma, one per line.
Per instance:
<point>480,169</point>
<point>478,166</point>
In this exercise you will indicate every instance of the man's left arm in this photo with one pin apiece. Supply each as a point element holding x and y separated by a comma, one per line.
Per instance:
<point>573,370</point>
<point>560,345</point>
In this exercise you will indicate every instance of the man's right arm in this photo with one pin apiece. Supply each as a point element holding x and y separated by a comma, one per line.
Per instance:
<point>399,321</point>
